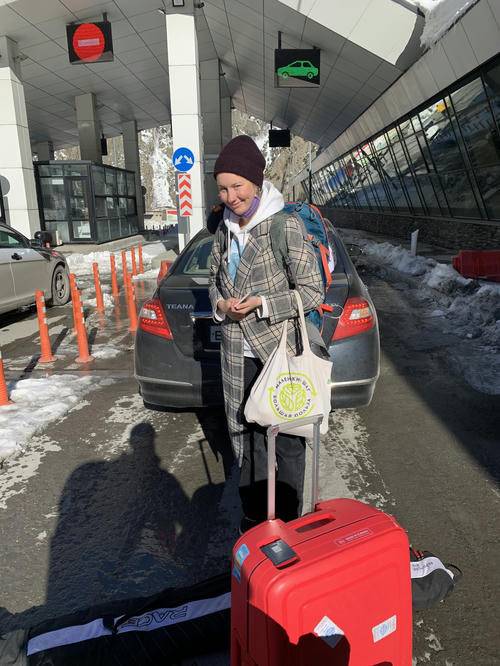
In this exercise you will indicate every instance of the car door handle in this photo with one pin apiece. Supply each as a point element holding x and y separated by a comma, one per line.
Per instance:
<point>16,256</point>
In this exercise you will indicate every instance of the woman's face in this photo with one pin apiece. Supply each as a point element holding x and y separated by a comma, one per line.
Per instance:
<point>235,191</point>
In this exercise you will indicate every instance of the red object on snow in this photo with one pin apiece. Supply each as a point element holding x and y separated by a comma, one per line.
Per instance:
<point>478,264</point>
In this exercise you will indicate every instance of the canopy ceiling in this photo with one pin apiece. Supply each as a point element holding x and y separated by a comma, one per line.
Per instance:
<point>365,45</point>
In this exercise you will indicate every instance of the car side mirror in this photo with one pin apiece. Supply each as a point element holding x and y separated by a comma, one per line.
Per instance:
<point>41,238</point>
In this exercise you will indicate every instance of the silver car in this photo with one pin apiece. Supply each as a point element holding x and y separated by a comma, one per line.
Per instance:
<point>25,267</point>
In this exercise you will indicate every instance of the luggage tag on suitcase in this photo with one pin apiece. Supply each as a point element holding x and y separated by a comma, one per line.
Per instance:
<point>279,553</point>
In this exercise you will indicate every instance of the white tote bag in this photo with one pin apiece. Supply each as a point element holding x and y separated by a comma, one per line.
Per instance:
<point>291,387</point>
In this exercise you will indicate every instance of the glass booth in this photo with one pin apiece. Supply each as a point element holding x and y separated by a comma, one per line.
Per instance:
<point>81,202</point>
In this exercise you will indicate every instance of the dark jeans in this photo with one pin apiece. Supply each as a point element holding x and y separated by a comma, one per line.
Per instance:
<point>290,458</point>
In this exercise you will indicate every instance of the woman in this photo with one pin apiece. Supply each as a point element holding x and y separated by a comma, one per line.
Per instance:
<point>243,261</point>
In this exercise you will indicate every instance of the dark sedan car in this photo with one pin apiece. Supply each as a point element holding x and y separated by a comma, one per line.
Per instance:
<point>177,344</point>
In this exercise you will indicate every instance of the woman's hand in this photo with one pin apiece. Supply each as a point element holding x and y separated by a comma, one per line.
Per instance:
<point>238,312</point>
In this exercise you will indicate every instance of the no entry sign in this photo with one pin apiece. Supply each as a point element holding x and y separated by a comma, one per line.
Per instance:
<point>90,42</point>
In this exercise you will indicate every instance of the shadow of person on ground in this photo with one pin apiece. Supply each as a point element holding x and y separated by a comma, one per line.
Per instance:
<point>127,529</point>
<point>215,506</point>
<point>117,530</point>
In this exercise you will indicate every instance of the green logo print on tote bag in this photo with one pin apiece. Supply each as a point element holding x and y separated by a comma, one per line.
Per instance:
<point>292,396</point>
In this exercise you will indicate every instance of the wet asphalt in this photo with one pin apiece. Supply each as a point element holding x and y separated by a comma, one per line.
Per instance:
<point>114,501</point>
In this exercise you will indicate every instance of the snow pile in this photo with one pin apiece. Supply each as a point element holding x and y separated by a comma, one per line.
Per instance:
<point>37,402</point>
<point>441,277</point>
<point>82,264</point>
<point>467,309</point>
<point>395,256</point>
<point>478,315</point>
<point>445,279</point>
<point>440,15</point>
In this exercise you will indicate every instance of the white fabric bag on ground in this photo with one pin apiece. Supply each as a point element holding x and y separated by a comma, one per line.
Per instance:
<point>291,387</point>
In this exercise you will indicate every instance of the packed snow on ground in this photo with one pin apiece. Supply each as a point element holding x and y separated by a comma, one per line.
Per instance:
<point>440,15</point>
<point>35,403</point>
<point>81,264</point>
<point>468,309</point>
<point>38,401</point>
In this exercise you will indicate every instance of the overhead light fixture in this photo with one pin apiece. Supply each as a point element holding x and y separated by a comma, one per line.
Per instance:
<point>177,3</point>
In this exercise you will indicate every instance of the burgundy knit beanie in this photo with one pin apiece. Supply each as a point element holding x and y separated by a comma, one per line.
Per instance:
<point>242,157</point>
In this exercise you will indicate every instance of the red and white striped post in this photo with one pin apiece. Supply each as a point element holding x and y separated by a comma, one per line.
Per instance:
<point>185,198</point>
<point>4,396</point>
<point>98,290</point>
<point>47,356</point>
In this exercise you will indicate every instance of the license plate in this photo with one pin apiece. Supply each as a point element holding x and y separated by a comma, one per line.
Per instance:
<point>215,333</point>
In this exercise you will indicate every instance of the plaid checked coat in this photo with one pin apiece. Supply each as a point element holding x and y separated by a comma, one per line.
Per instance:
<point>258,269</point>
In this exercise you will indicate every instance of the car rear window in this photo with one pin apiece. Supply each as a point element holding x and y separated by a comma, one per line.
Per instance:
<point>196,259</point>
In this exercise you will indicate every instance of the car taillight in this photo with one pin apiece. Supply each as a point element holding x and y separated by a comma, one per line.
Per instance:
<point>152,319</point>
<point>356,318</point>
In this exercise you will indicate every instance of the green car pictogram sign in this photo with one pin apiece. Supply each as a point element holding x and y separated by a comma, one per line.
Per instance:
<point>299,68</point>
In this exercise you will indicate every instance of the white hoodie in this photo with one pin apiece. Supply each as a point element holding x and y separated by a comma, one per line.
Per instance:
<point>271,202</point>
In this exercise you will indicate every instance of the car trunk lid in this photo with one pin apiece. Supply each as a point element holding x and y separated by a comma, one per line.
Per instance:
<point>189,316</point>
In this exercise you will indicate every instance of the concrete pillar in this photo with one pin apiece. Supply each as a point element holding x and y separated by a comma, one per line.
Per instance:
<point>17,177</point>
<point>44,151</point>
<point>88,128</point>
<point>184,81</point>
<point>212,125</point>
<point>132,163</point>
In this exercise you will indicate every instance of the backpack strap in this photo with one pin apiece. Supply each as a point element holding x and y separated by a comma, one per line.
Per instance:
<point>277,233</point>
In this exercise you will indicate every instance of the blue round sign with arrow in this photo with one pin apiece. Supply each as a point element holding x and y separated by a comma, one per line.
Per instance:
<point>183,159</point>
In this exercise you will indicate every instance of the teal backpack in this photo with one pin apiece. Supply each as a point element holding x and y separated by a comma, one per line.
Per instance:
<point>317,233</point>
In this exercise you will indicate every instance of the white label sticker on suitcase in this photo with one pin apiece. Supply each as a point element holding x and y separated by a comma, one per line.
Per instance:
<point>355,536</point>
<point>328,631</point>
<point>384,629</point>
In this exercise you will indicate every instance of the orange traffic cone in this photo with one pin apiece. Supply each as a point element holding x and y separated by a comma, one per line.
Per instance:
<point>98,290</point>
<point>114,281</point>
<point>81,332</point>
<point>141,265</point>
<point>134,265</point>
<point>4,396</point>
<point>46,356</point>
<point>132,311</point>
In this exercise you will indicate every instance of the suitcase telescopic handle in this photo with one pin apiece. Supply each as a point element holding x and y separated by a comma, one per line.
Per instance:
<point>272,433</point>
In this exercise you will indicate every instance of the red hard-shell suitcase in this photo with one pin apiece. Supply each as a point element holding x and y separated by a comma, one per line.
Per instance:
<point>332,587</point>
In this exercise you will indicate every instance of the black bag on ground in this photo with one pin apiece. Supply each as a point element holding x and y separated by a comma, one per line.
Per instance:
<point>431,580</point>
<point>174,624</point>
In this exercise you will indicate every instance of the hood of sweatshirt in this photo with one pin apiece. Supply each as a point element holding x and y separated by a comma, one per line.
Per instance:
<point>271,202</point>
